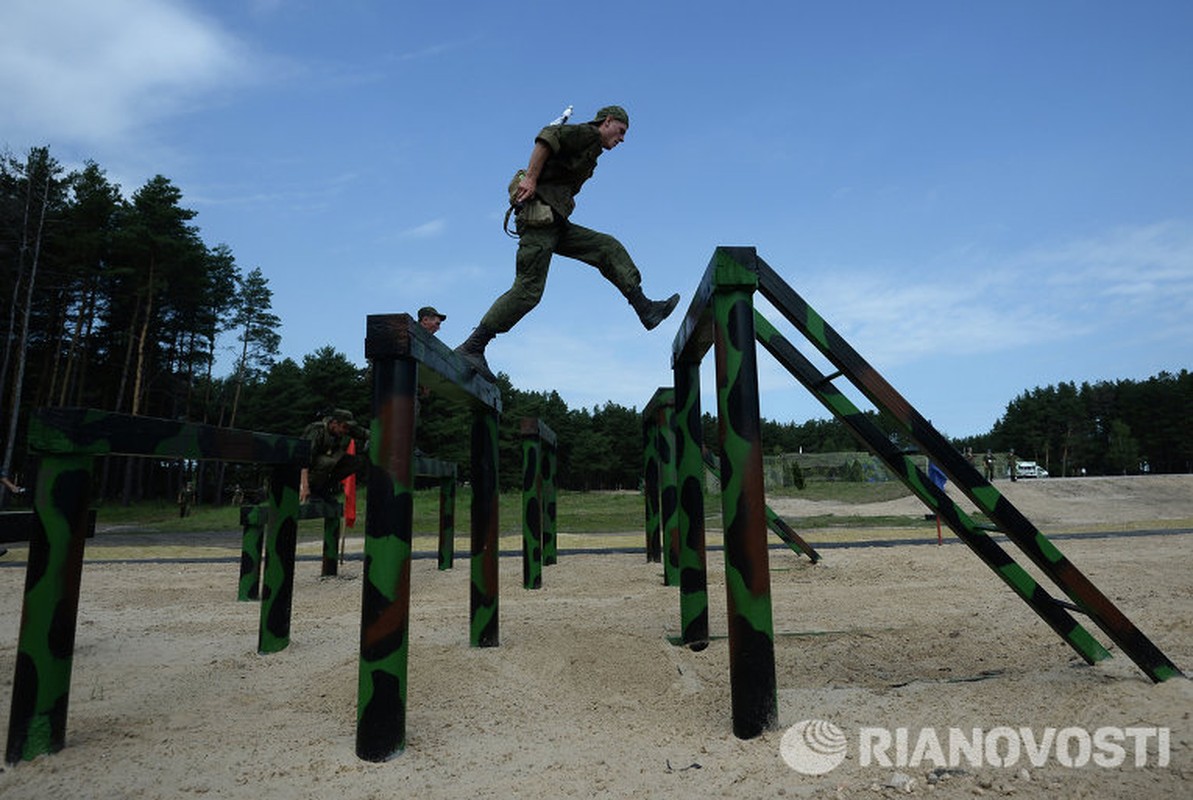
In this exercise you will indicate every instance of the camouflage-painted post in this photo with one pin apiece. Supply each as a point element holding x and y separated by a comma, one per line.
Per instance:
<point>331,541</point>
<point>693,563</point>
<point>281,539</point>
<point>659,481</point>
<point>669,491</point>
<point>389,530</point>
<point>447,522</point>
<point>1010,521</point>
<point>45,646</point>
<point>650,484</point>
<point>902,466</point>
<point>252,542</point>
<point>776,523</point>
<point>483,621</point>
<point>538,500</point>
<point>743,504</point>
<point>65,440</point>
<point>550,505</point>
<point>532,509</point>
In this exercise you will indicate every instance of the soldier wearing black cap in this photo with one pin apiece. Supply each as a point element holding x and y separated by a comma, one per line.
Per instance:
<point>330,460</point>
<point>564,157</point>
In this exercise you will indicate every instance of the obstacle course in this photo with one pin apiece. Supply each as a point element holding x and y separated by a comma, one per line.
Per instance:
<point>721,316</point>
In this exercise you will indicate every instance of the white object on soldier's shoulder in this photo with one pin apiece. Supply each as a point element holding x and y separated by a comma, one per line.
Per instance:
<point>562,118</point>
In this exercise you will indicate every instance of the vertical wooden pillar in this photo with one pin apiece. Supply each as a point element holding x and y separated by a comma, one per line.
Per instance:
<point>693,564</point>
<point>281,539</point>
<point>550,492</point>
<point>650,485</point>
<point>743,506</point>
<point>483,625</point>
<point>49,616</point>
<point>252,519</point>
<point>447,521</point>
<point>669,491</point>
<point>532,506</point>
<point>385,600</point>
<point>331,540</point>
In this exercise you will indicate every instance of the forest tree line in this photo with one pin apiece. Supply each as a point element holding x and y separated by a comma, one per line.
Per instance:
<point>117,303</point>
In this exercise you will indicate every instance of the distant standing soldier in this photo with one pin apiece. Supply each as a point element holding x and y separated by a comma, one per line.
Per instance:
<point>1011,461</point>
<point>988,460</point>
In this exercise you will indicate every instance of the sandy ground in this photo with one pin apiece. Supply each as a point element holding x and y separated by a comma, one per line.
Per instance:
<point>586,696</point>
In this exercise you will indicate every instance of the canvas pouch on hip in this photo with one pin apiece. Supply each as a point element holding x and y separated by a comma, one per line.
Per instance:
<point>533,213</point>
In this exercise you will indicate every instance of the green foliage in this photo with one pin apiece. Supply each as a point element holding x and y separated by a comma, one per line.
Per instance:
<point>1102,428</point>
<point>125,304</point>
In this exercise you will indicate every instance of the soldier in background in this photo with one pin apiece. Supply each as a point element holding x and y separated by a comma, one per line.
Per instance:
<point>430,319</point>
<point>330,460</point>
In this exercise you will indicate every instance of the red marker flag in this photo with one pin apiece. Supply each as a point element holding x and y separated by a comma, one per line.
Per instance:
<point>350,492</point>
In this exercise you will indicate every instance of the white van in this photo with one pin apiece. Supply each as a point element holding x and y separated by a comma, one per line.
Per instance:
<point>1029,469</point>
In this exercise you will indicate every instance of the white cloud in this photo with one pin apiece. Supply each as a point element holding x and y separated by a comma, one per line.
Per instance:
<point>985,303</point>
<point>88,72</point>
<point>426,230</point>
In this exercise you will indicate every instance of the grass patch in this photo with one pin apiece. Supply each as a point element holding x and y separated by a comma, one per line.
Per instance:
<point>577,512</point>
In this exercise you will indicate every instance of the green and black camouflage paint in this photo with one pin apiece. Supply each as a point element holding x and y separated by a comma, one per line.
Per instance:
<point>447,522</point>
<point>277,578</point>
<point>903,467</point>
<point>743,504</point>
<point>332,520</point>
<point>1007,519</point>
<point>66,441</point>
<point>397,346</point>
<point>532,512</point>
<point>773,521</point>
<point>252,543</point>
<point>660,483</point>
<point>693,555</point>
<point>650,478</point>
<point>483,624</point>
<point>538,500</point>
<point>385,601</point>
<point>550,500</point>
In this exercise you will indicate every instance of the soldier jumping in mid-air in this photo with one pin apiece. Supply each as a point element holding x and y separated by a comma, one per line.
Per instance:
<point>543,194</point>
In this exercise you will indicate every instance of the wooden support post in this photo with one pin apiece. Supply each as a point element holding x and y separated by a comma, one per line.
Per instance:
<point>331,539</point>
<point>252,543</point>
<point>743,507</point>
<point>281,540</point>
<point>650,483</point>
<point>49,616</point>
<point>447,522</point>
<point>693,563</point>
<point>532,506</point>
<point>385,602</point>
<point>550,496</point>
<point>483,625</point>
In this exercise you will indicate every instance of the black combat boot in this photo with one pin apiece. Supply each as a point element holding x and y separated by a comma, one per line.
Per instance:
<point>651,312</point>
<point>473,352</point>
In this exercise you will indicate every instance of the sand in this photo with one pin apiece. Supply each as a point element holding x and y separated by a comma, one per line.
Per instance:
<point>587,697</point>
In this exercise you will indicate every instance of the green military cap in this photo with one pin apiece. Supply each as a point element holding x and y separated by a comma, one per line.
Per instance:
<point>341,415</point>
<point>429,311</point>
<point>617,112</point>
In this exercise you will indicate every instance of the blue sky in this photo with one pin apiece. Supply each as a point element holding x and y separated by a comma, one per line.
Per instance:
<point>982,197</point>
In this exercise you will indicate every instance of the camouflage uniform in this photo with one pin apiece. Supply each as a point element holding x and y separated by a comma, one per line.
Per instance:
<point>574,153</point>
<point>330,460</point>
